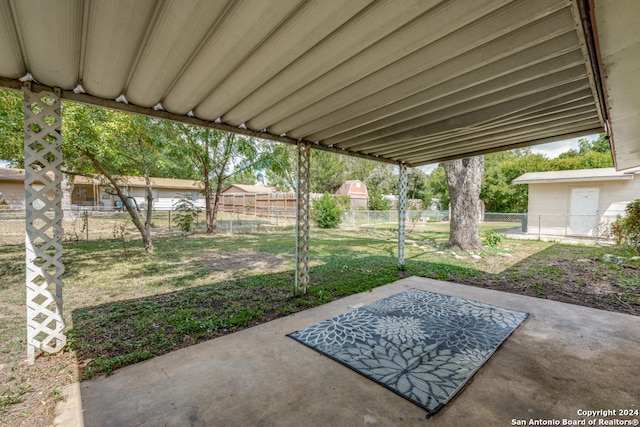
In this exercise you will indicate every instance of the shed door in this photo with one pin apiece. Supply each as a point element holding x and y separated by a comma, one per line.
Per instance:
<point>583,218</point>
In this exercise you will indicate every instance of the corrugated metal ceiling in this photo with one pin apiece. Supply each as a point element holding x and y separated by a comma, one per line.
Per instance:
<point>414,81</point>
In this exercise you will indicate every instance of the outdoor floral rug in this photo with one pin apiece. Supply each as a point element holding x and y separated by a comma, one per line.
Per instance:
<point>421,345</point>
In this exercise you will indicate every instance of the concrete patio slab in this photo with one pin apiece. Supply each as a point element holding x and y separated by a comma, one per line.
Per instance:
<point>564,359</point>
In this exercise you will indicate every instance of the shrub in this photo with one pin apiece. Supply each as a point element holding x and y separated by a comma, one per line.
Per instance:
<point>377,202</point>
<point>187,213</point>
<point>344,201</point>
<point>326,212</point>
<point>491,238</point>
<point>626,229</point>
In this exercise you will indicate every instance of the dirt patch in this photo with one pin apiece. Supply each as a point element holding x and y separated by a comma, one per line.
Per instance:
<point>235,263</point>
<point>587,282</point>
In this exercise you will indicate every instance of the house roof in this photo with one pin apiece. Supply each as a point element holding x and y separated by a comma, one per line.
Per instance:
<point>413,81</point>
<point>345,188</point>
<point>11,174</point>
<point>138,181</point>
<point>14,174</point>
<point>580,175</point>
<point>244,188</point>
<point>18,175</point>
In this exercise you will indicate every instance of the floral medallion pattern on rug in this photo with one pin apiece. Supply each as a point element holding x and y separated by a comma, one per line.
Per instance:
<point>422,345</point>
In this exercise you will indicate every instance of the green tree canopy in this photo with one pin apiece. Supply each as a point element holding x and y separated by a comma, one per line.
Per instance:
<point>501,168</point>
<point>11,128</point>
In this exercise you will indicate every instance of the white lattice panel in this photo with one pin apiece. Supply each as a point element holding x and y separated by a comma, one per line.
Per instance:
<point>402,212</point>
<point>302,220</point>
<point>42,158</point>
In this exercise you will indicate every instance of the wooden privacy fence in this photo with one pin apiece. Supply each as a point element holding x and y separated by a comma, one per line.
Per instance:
<point>267,205</point>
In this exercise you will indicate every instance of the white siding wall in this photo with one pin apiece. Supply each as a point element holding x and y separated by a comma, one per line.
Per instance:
<point>13,193</point>
<point>554,198</point>
<point>549,203</point>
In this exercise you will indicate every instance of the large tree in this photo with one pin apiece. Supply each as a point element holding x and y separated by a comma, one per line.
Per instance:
<point>328,171</point>
<point>381,178</point>
<point>219,157</point>
<point>501,168</point>
<point>281,172</point>
<point>464,180</point>
<point>588,155</point>
<point>436,187</point>
<point>11,128</point>
<point>109,145</point>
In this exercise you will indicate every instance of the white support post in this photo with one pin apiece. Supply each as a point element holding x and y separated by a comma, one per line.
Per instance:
<point>43,192</point>
<point>402,213</point>
<point>303,206</point>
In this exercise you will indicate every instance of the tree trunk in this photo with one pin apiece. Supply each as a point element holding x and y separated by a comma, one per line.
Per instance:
<point>146,236</point>
<point>212,215</point>
<point>216,203</point>
<point>149,196</point>
<point>464,180</point>
<point>207,198</point>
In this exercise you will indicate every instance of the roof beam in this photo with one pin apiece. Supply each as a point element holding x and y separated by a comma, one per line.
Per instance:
<point>552,135</point>
<point>460,111</point>
<point>478,135</point>
<point>150,112</point>
<point>541,40</point>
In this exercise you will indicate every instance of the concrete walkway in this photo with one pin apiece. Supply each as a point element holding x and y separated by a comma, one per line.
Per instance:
<point>562,360</point>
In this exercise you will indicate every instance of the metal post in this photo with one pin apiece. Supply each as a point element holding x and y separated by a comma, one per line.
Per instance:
<point>539,226</point>
<point>402,213</point>
<point>43,207</point>
<point>302,219</point>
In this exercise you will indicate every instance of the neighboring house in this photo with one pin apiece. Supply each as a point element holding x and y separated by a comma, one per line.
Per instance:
<point>90,192</point>
<point>357,191</point>
<point>250,189</point>
<point>12,187</point>
<point>577,202</point>
<point>94,192</point>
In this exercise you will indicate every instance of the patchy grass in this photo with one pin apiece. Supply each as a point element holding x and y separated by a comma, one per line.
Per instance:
<point>123,306</point>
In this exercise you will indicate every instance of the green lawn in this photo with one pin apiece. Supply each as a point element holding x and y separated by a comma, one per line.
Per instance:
<point>123,305</point>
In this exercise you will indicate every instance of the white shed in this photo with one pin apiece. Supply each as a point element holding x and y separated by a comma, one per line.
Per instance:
<point>576,202</point>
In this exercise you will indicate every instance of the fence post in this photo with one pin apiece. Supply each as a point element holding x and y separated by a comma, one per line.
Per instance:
<point>539,226</point>
<point>86,222</point>
<point>169,220</point>
<point>353,218</point>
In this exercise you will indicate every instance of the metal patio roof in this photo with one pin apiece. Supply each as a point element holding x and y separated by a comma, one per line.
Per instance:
<point>413,81</point>
<point>579,175</point>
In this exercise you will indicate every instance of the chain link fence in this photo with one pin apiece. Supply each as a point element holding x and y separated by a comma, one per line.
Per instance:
<point>590,227</point>
<point>389,219</point>
<point>93,224</point>
<point>80,224</point>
